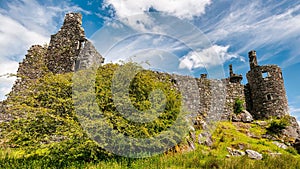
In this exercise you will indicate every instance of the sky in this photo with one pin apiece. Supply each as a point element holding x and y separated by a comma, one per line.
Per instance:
<point>221,31</point>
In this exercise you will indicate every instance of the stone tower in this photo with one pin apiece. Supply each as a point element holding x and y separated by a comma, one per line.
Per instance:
<point>267,92</point>
<point>69,50</point>
<point>65,45</point>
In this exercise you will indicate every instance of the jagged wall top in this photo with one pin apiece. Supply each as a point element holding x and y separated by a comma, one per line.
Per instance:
<point>65,45</point>
<point>73,18</point>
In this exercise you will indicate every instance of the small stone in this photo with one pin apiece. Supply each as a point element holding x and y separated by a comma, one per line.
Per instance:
<point>280,145</point>
<point>205,138</point>
<point>254,154</point>
<point>234,152</point>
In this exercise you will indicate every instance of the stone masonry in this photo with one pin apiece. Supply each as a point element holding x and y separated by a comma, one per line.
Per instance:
<point>267,91</point>
<point>65,46</point>
<point>31,68</point>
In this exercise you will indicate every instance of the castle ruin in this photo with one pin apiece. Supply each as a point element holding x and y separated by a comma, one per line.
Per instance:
<point>69,50</point>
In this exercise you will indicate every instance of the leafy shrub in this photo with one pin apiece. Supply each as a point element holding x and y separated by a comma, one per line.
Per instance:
<point>143,95</point>
<point>238,106</point>
<point>47,124</point>
<point>277,125</point>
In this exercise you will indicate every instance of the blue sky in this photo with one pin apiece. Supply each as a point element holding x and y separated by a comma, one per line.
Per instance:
<point>232,28</point>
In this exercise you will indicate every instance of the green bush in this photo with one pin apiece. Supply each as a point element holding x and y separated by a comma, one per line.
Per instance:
<point>143,94</point>
<point>238,106</point>
<point>47,122</point>
<point>277,125</point>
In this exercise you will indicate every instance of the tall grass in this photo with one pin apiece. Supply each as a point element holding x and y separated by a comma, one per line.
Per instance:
<point>195,159</point>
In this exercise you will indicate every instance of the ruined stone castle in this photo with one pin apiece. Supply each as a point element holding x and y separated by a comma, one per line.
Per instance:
<point>69,50</point>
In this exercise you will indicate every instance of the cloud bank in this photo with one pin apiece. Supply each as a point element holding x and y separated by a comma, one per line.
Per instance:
<point>186,9</point>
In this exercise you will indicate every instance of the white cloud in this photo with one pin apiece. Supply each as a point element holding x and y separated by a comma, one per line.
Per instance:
<point>182,9</point>
<point>295,111</point>
<point>5,81</point>
<point>15,38</point>
<point>212,56</point>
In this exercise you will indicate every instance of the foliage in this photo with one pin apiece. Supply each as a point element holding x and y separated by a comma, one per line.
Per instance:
<point>45,124</point>
<point>139,93</point>
<point>277,125</point>
<point>238,106</point>
<point>126,91</point>
<point>46,120</point>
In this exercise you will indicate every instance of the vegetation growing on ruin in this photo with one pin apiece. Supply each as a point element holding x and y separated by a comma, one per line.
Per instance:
<point>238,106</point>
<point>47,132</point>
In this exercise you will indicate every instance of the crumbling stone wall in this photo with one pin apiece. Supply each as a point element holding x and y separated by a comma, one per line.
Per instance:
<point>65,45</point>
<point>234,91</point>
<point>31,68</point>
<point>209,98</point>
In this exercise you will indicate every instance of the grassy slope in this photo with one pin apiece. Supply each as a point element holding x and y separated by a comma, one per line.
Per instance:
<point>226,135</point>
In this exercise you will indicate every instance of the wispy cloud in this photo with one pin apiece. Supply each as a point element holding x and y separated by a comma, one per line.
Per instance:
<point>295,111</point>
<point>182,9</point>
<point>212,56</point>
<point>199,52</point>
<point>257,25</point>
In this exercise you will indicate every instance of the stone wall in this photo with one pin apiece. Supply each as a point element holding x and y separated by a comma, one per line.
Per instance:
<point>267,92</point>
<point>65,45</point>
<point>88,56</point>
<point>31,68</point>
<point>209,98</point>
<point>234,91</point>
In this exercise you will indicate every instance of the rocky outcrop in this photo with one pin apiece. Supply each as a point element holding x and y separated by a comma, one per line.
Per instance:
<point>205,139</point>
<point>244,116</point>
<point>280,145</point>
<point>234,152</point>
<point>292,131</point>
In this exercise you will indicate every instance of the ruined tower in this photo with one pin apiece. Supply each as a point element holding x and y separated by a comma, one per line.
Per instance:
<point>267,92</point>
<point>69,50</point>
<point>65,45</point>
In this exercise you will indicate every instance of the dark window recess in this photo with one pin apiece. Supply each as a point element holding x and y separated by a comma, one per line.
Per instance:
<point>269,97</point>
<point>82,43</point>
